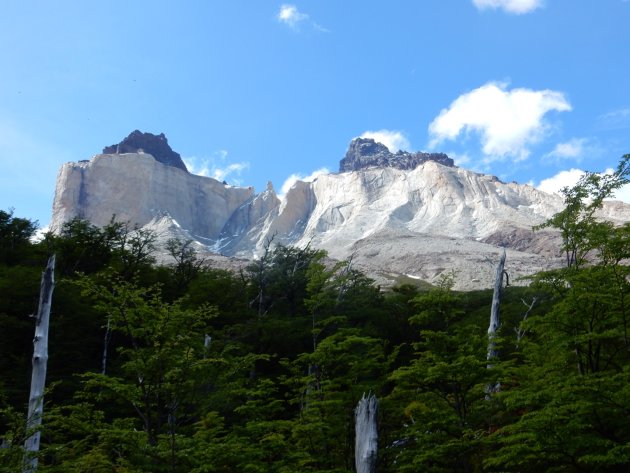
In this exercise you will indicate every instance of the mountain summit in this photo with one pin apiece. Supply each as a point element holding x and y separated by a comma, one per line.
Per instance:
<point>364,153</point>
<point>155,145</point>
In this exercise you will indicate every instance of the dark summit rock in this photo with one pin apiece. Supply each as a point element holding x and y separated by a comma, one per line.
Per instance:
<point>155,145</point>
<point>366,153</point>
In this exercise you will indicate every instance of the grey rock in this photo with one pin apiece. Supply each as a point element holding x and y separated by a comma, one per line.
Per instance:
<point>155,145</point>
<point>364,153</point>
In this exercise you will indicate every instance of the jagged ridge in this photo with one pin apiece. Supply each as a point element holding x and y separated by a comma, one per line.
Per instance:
<point>364,153</point>
<point>155,145</point>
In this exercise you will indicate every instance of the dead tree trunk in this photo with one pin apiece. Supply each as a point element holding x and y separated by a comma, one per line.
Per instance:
<point>40,362</point>
<point>495,320</point>
<point>366,434</point>
<point>106,339</point>
<point>521,330</point>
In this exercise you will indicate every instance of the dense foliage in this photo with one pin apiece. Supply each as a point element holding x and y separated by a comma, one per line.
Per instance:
<point>188,368</point>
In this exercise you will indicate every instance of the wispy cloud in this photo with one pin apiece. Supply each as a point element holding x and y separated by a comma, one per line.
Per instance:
<point>615,120</point>
<point>217,167</point>
<point>394,140</point>
<point>221,174</point>
<point>517,7</point>
<point>293,178</point>
<point>460,159</point>
<point>572,149</point>
<point>294,18</point>
<point>507,121</point>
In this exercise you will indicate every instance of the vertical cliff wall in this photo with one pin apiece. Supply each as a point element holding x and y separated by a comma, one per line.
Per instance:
<point>137,188</point>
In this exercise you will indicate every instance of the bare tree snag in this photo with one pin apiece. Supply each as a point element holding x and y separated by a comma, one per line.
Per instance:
<point>106,339</point>
<point>40,363</point>
<point>366,434</point>
<point>495,319</point>
<point>520,330</point>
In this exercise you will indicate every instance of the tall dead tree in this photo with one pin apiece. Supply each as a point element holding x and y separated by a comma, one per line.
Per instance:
<point>495,319</point>
<point>366,434</point>
<point>40,364</point>
<point>521,330</point>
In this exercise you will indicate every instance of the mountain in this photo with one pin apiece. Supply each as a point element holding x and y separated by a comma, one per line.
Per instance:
<point>155,145</point>
<point>399,216</point>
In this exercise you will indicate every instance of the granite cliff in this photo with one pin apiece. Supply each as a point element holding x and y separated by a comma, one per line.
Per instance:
<point>399,215</point>
<point>137,188</point>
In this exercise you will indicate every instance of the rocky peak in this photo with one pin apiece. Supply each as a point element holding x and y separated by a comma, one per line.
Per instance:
<point>155,145</point>
<point>366,153</point>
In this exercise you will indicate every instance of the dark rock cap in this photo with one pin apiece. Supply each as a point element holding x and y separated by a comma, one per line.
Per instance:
<point>366,153</point>
<point>155,145</point>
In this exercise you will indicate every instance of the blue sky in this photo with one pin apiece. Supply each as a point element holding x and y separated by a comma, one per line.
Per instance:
<point>251,91</point>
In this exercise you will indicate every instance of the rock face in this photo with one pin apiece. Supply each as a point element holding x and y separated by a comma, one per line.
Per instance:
<point>416,224</point>
<point>364,153</point>
<point>137,188</point>
<point>155,145</point>
<point>398,224</point>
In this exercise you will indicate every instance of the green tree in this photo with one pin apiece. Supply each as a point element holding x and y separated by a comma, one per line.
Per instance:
<point>279,279</point>
<point>441,404</point>
<point>578,224</point>
<point>438,412</point>
<point>163,366</point>
<point>348,364</point>
<point>187,264</point>
<point>85,248</point>
<point>565,408</point>
<point>15,236</point>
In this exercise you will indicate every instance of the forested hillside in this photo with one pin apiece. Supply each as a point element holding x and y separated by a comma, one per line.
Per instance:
<point>188,368</point>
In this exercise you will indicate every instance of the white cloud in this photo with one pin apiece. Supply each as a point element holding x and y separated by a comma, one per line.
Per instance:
<point>290,15</point>
<point>511,6</point>
<point>570,178</point>
<point>508,121</point>
<point>563,179</point>
<point>40,234</point>
<point>293,178</point>
<point>623,194</point>
<point>394,140</point>
<point>574,148</point>
<point>216,167</point>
